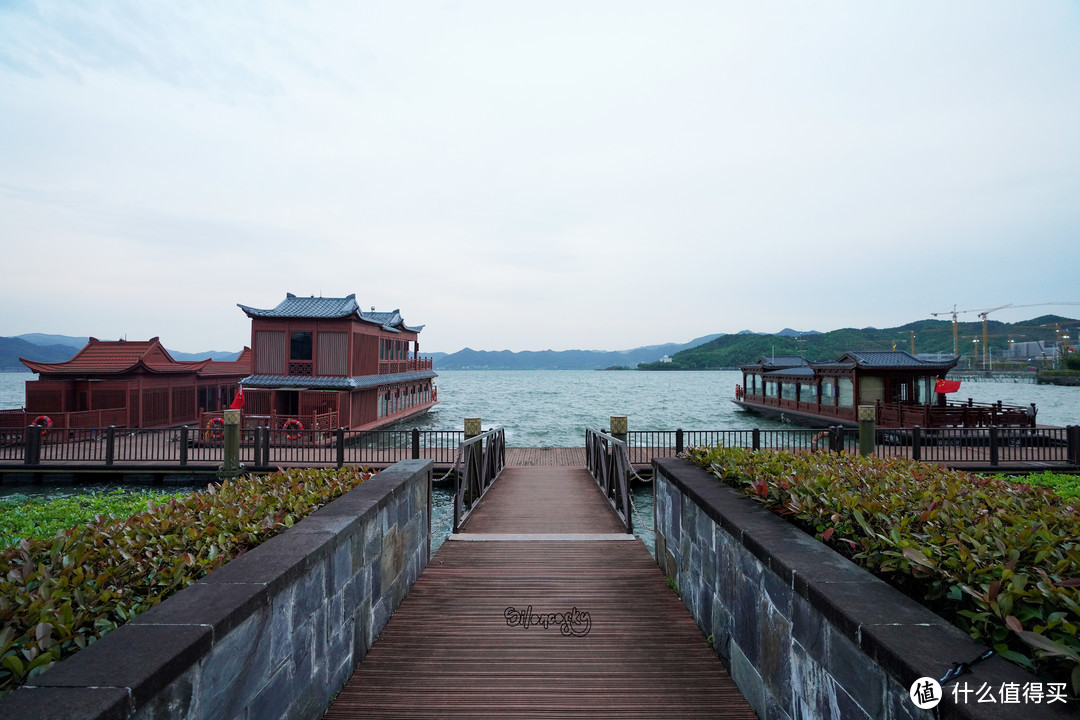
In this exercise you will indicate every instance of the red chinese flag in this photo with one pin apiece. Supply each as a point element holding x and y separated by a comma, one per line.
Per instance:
<point>238,401</point>
<point>946,386</point>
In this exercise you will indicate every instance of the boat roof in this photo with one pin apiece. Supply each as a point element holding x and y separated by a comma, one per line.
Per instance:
<point>798,366</point>
<point>330,309</point>
<point>119,357</point>
<point>333,383</point>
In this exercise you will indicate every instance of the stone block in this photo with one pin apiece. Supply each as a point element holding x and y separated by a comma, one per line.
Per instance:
<point>747,679</point>
<point>809,629</point>
<point>276,563</point>
<point>76,703</point>
<point>220,606</point>
<point>853,671</point>
<point>774,653</point>
<point>309,594</point>
<point>143,658</point>
<point>279,693</point>
<point>238,669</point>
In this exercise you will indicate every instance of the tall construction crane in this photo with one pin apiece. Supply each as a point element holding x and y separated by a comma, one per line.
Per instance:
<point>983,313</point>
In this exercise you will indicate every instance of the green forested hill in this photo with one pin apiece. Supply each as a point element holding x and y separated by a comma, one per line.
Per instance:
<point>931,336</point>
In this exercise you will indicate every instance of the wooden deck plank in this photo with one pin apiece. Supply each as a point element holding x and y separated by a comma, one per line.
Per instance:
<point>544,500</point>
<point>449,650</point>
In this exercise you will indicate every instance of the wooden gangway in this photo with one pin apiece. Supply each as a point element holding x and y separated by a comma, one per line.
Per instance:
<point>469,641</point>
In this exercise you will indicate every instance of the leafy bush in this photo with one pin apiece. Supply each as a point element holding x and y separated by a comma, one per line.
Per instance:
<point>59,594</point>
<point>42,517</point>
<point>999,559</point>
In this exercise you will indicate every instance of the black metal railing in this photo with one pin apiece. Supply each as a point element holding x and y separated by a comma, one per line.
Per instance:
<point>193,446</point>
<point>483,458</point>
<point>608,462</point>
<point>984,446</point>
<point>264,447</point>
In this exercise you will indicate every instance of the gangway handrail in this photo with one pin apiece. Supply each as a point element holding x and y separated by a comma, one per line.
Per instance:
<point>608,462</point>
<point>483,459</point>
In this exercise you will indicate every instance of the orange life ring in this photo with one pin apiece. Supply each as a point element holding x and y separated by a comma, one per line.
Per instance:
<point>434,394</point>
<point>814,440</point>
<point>43,420</point>
<point>292,428</point>
<point>215,428</point>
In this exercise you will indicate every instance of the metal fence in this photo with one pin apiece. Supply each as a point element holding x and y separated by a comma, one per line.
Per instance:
<point>192,446</point>
<point>267,448</point>
<point>983,446</point>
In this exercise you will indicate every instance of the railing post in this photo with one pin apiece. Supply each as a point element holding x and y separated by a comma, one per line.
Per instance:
<point>1072,444</point>
<point>183,445</point>
<point>265,445</point>
<point>867,429</point>
<point>340,439</point>
<point>473,427</point>
<point>994,445</point>
<point>231,466</point>
<point>678,441</point>
<point>755,436</point>
<point>32,445</point>
<point>416,443</point>
<point>256,446</point>
<point>916,443</point>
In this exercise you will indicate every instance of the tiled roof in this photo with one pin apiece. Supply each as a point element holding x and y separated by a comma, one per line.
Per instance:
<point>792,372</point>
<point>240,366</point>
<point>330,308</point>
<point>894,359</point>
<point>333,383</point>
<point>307,307</point>
<point>780,361</point>
<point>117,357</point>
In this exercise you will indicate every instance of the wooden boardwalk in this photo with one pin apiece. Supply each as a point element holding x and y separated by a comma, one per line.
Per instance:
<point>543,547</point>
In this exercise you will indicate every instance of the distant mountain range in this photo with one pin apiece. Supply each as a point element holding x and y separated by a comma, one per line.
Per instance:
<point>931,336</point>
<point>717,350</point>
<point>58,348</point>
<point>469,359</point>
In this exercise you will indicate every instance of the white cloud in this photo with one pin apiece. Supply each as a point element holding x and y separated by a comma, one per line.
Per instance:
<point>534,175</point>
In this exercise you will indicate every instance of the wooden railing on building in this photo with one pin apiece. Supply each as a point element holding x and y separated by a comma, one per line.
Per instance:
<point>391,367</point>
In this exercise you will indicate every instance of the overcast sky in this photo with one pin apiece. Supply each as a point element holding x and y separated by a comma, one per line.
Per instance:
<point>533,175</point>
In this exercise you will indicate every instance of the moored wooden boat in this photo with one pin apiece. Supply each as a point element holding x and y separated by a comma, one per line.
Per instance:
<point>905,391</point>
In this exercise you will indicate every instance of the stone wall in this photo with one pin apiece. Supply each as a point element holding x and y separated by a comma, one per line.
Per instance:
<point>272,634</point>
<point>804,632</point>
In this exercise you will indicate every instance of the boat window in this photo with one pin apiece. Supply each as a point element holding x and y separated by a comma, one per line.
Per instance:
<point>808,393</point>
<point>787,390</point>
<point>770,388</point>
<point>871,390</point>
<point>828,391</point>
<point>845,392</point>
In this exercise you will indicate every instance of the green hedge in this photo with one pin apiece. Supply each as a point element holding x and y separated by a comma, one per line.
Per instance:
<point>59,594</point>
<point>998,558</point>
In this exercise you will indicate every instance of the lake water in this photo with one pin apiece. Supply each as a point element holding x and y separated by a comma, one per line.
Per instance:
<point>552,408</point>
